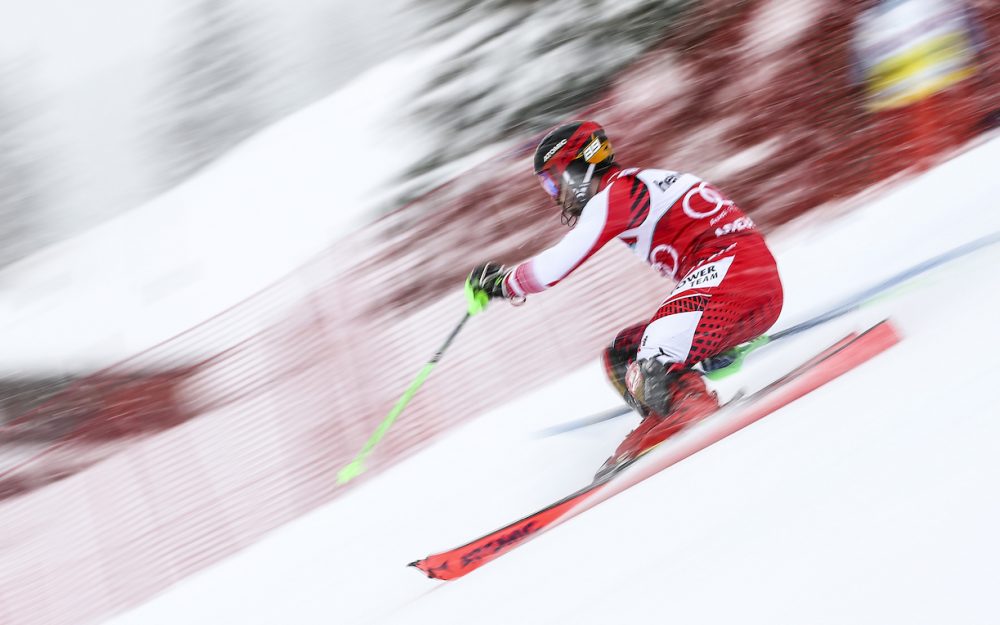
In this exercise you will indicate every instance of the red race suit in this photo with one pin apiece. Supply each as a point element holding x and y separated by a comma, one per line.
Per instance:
<point>727,291</point>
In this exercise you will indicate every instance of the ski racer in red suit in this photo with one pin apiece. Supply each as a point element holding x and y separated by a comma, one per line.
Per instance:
<point>727,286</point>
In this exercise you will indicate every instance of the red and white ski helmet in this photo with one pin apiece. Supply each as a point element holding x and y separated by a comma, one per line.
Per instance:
<point>566,161</point>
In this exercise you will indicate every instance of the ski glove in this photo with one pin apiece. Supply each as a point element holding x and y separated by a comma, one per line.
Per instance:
<point>484,283</point>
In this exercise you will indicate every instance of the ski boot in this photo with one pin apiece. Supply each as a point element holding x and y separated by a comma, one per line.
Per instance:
<point>669,398</point>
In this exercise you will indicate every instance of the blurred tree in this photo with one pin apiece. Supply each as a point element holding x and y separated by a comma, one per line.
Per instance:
<point>22,192</point>
<point>216,92</point>
<point>523,64</point>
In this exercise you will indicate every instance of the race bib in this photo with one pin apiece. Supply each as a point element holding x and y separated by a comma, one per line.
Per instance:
<point>704,276</point>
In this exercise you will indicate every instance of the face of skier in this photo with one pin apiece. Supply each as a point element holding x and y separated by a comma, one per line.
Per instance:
<point>567,194</point>
<point>569,163</point>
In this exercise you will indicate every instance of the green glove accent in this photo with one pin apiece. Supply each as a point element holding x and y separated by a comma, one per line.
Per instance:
<point>477,299</point>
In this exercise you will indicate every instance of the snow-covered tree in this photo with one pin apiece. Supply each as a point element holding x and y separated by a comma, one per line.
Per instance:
<point>215,93</point>
<point>22,190</point>
<point>523,64</point>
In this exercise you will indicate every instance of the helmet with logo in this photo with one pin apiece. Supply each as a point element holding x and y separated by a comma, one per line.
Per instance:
<point>566,162</point>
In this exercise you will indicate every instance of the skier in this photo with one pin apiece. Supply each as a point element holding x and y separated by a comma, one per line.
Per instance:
<point>727,286</point>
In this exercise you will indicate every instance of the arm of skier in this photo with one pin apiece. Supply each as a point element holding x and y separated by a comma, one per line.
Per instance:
<point>595,228</point>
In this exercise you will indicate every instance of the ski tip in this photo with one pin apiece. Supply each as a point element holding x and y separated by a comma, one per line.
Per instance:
<point>423,567</point>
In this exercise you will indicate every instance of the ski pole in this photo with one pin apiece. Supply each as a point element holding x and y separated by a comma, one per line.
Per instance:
<point>884,289</point>
<point>356,466</point>
<point>599,417</point>
<point>740,352</point>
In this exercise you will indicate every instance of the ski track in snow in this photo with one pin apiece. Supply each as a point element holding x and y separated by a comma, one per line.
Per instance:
<point>871,500</point>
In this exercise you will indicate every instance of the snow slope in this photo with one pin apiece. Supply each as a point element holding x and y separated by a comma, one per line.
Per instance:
<point>266,208</point>
<point>872,500</point>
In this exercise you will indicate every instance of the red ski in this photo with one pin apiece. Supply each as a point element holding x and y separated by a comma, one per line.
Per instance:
<point>847,354</point>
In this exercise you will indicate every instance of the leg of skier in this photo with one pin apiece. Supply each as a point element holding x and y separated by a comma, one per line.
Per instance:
<point>620,354</point>
<point>742,301</point>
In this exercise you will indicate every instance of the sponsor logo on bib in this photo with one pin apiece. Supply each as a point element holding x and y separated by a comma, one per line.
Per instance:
<point>705,276</point>
<point>703,201</point>
<point>663,258</point>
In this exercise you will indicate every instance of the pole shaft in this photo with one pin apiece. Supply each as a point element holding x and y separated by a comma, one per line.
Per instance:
<point>354,468</point>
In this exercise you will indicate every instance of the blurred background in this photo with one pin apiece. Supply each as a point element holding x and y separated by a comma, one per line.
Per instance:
<point>212,212</point>
<point>109,104</point>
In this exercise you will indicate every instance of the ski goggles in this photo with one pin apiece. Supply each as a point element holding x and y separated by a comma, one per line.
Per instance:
<point>549,184</point>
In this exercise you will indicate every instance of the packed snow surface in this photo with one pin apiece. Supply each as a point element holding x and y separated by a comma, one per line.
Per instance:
<point>871,500</point>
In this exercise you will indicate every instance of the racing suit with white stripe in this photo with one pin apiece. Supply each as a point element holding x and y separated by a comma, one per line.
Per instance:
<point>727,285</point>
